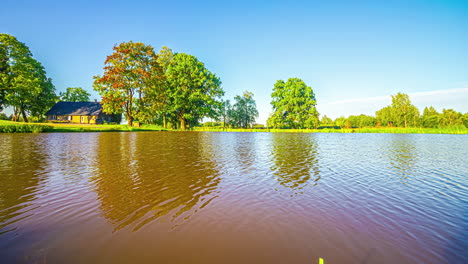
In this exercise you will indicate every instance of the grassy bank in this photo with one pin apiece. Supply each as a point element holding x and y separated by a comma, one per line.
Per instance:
<point>391,130</point>
<point>19,127</point>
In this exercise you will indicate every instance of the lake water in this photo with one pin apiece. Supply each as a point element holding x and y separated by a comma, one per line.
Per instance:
<point>200,197</point>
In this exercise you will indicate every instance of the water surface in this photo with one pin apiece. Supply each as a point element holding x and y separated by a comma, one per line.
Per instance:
<point>201,197</point>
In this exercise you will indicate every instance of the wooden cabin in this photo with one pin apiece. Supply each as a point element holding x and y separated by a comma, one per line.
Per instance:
<point>79,113</point>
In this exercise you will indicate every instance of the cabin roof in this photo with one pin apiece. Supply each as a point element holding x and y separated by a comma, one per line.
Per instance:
<point>76,108</point>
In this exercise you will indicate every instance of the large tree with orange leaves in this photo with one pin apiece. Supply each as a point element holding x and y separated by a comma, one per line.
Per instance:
<point>130,73</point>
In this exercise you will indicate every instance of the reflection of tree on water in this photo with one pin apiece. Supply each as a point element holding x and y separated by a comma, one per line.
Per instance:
<point>295,158</point>
<point>144,176</point>
<point>244,151</point>
<point>21,161</point>
<point>401,155</point>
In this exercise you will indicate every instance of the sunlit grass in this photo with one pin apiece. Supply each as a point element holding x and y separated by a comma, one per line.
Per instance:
<point>21,127</point>
<point>390,130</point>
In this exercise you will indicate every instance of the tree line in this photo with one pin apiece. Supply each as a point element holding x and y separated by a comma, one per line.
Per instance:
<point>402,113</point>
<point>176,90</point>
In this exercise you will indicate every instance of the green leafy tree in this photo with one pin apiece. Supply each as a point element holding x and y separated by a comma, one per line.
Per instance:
<point>244,110</point>
<point>225,112</point>
<point>451,118</point>
<point>75,94</point>
<point>161,100</point>
<point>404,112</point>
<point>340,121</point>
<point>362,121</point>
<point>4,67</point>
<point>24,84</point>
<point>293,105</point>
<point>326,121</point>
<point>385,116</point>
<point>130,73</point>
<point>465,120</point>
<point>430,117</point>
<point>194,91</point>
<point>400,113</point>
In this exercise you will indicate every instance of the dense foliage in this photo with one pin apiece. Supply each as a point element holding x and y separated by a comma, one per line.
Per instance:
<point>193,92</point>
<point>129,73</point>
<point>24,84</point>
<point>176,90</point>
<point>154,88</point>
<point>293,105</point>
<point>401,113</point>
<point>23,128</point>
<point>75,94</point>
<point>244,111</point>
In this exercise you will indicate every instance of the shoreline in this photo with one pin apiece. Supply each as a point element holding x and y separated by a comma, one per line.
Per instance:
<point>21,127</point>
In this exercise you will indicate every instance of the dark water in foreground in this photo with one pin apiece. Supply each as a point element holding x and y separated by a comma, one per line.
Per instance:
<point>175,197</point>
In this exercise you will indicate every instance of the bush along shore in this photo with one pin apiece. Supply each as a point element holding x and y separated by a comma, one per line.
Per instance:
<point>19,127</point>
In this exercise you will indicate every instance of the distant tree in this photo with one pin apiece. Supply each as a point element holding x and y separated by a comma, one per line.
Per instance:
<point>326,121</point>
<point>340,121</point>
<point>193,90</point>
<point>225,112</point>
<point>465,120</point>
<point>75,94</point>
<point>404,112</point>
<point>385,116</point>
<point>244,111</point>
<point>362,121</point>
<point>451,118</point>
<point>430,118</point>
<point>400,113</point>
<point>24,84</point>
<point>130,73</point>
<point>293,105</point>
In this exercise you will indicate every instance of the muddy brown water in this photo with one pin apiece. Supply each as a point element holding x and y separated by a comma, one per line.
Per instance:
<point>202,197</point>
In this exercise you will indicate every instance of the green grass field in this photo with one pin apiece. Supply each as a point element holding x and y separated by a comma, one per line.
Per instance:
<point>19,127</point>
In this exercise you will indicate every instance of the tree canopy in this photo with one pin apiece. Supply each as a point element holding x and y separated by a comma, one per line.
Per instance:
<point>24,84</point>
<point>129,74</point>
<point>293,105</point>
<point>193,91</point>
<point>244,111</point>
<point>75,94</point>
<point>401,113</point>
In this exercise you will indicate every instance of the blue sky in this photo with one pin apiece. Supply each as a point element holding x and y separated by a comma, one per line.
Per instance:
<point>354,54</point>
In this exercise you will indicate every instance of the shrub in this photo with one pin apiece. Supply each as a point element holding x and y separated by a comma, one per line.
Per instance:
<point>23,128</point>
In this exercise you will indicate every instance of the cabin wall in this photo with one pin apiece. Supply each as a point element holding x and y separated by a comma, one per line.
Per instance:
<point>76,119</point>
<point>92,119</point>
<point>73,119</point>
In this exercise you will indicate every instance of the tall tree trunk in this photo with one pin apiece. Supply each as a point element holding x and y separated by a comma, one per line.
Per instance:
<point>182,123</point>
<point>15,114</point>
<point>129,120</point>
<point>164,121</point>
<point>25,118</point>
